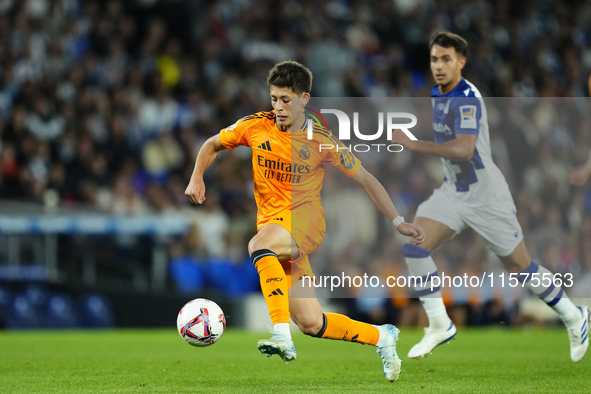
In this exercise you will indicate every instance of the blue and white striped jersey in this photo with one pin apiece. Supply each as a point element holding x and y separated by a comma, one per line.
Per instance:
<point>462,111</point>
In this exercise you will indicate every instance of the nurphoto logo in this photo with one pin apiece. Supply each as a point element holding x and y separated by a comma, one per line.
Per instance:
<point>344,129</point>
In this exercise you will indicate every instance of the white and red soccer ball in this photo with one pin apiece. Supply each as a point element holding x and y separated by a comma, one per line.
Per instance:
<point>201,322</point>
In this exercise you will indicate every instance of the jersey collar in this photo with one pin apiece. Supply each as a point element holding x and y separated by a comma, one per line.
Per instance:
<point>459,87</point>
<point>305,125</point>
<point>303,128</point>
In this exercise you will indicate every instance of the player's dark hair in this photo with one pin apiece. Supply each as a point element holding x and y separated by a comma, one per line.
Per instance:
<point>448,40</point>
<point>292,75</point>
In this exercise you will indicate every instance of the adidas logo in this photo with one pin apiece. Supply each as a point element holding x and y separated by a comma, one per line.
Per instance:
<point>275,292</point>
<point>265,146</point>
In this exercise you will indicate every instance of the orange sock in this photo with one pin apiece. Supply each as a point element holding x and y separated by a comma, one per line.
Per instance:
<point>342,328</point>
<point>273,283</point>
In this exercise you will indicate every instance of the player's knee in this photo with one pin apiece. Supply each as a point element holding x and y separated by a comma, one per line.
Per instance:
<point>257,243</point>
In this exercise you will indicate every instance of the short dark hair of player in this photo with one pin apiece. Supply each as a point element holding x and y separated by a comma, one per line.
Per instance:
<point>447,40</point>
<point>292,75</point>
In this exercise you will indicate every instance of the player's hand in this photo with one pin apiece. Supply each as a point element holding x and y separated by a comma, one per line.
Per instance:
<point>400,138</point>
<point>196,191</point>
<point>412,230</point>
<point>579,176</point>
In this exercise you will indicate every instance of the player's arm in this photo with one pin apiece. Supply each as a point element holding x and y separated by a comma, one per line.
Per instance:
<point>196,188</point>
<point>378,195</point>
<point>462,147</point>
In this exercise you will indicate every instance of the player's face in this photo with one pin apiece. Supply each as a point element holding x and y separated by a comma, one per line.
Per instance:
<point>446,65</point>
<point>288,106</point>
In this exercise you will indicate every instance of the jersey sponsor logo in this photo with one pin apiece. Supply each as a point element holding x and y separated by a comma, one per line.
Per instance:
<point>275,279</point>
<point>305,152</point>
<point>283,171</point>
<point>468,117</point>
<point>280,165</point>
<point>265,146</point>
<point>441,128</point>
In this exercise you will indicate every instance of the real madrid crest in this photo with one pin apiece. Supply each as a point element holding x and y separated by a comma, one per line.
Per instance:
<point>305,152</point>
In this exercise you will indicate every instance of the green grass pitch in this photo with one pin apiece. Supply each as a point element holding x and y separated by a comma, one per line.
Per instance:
<point>158,361</point>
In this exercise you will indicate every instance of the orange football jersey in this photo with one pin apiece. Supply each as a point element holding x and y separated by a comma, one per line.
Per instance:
<point>287,168</point>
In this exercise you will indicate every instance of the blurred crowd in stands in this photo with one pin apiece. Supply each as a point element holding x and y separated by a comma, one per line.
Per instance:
<point>106,103</point>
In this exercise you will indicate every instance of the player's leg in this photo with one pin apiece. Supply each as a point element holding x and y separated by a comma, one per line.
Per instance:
<point>307,313</point>
<point>497,223</point>
<point>440,217</point>
<point>272,243</point>
<point>576,319</point>
<point>421,264</point>
<point>291,233</point>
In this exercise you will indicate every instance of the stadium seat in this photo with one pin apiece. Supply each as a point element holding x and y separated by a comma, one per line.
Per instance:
<point>60,312</point>
<point>249,277</point>
<point>95,312</point>
<point>22,314</point>
<point>4,305</point>
<point>232,279</point>
<point>187,275</point>
<point>37,296</point>
<point>220,275</point>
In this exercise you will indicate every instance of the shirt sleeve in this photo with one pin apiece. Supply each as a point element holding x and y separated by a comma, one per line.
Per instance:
<point>467,114</point>
<point>233,136</point>
<point>341,157</point>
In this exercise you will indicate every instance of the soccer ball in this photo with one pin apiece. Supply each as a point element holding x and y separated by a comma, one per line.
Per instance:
<point>201,322</point>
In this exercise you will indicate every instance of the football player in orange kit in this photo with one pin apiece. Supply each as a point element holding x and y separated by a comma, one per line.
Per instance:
<point>288,170</point>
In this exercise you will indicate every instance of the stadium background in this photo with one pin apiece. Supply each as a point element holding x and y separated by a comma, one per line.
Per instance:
<point>104,105</point>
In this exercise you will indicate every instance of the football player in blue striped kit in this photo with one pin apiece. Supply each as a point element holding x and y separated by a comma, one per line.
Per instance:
<point>474,194</point>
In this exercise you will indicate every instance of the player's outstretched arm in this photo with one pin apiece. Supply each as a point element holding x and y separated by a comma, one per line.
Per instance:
<point>378,195</point>
<point>196,188</point>
<point>462,147</point>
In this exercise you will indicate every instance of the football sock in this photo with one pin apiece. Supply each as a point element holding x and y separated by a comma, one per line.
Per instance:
<point>273,284</point>
<point>552,295</point>
<point>342,328</point>
<point>382,340</point>
<point>282,328</point>
<point>420,263</point>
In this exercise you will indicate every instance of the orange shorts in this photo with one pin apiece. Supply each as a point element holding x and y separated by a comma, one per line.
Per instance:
<point>307,226</point>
